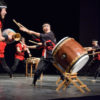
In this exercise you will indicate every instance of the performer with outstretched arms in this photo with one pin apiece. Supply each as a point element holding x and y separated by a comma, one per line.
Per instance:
<point>3,12</point>
<point>48,42</point>
<point>96,57</point>
<point>19,55</point>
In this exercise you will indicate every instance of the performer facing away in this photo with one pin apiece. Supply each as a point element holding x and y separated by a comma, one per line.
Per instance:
<point>96,57</point>
<point>19,55</point>
<point>48,42</point>
<point>3,12</point>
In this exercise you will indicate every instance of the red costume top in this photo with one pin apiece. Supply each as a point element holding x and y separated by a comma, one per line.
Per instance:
<point>2,49</point>
<point>97,57</point>
<point>20,55</point>
<point>0,25</point>
<point>2,45</point>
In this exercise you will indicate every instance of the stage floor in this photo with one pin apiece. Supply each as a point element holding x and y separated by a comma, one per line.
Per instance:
<point>21,88</point>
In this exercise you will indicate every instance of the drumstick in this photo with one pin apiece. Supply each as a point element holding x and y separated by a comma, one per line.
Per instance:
<point>94,53</point>
<point>18,24</point>
<point>33,42</point>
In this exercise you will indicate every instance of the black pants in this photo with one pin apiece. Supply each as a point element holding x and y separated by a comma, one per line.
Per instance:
<point>16,63</point>
<point>42,66</point>
<point>5,66</point>
<point>97,64</point>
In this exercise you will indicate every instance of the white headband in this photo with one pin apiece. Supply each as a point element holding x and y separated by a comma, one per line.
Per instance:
<point>3,6</point>
<point>94,41</point>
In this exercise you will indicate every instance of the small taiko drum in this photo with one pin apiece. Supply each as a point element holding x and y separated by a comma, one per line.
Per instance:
<point>12,34</point>
<point>32,60</point>
<point>69,55</point>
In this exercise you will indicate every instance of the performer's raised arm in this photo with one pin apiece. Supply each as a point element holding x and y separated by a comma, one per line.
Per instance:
<point>24,29</point>
<point>35,46</point>
<point>25,48</point>
<point>28,51</point>
<point>46,28</point>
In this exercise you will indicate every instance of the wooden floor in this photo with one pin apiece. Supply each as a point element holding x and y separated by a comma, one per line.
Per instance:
<point>21,88</point>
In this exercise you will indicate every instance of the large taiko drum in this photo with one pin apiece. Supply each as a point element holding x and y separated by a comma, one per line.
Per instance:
<point>69,55</point>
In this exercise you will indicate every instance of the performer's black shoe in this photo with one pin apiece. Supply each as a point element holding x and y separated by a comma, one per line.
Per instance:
<point>34,82</point>
<point>11,75</point>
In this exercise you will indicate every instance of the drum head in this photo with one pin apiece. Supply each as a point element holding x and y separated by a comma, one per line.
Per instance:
<point>9,32</point>
<point>79,64</point>
<point>59,44</point>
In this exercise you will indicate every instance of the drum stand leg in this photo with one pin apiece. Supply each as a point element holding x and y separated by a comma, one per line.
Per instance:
<point>58,81</point>
<point>26,69</point>
<point>31,70</point>
<point>72,78</point>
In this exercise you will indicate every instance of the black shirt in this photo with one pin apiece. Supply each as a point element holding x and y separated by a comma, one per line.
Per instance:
<point>97,48</point>
<point>49,42</point>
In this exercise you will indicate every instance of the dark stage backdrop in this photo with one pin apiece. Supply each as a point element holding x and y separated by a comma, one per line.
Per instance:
<point>62,15</point>
<point>89,21</point>
<point>74,18</point>
<point>89,28</point>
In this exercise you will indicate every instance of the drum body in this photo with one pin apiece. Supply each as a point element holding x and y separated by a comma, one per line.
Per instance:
<point>12,34</point>
<point>32,60</point>
<point>70,55</point>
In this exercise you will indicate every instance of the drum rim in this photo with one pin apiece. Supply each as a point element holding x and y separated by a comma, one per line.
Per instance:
<point>59,44</point>
<point>69,68</point>
<point>77,61</point>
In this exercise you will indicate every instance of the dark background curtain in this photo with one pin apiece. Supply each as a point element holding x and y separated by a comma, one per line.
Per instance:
<point>74,18</point>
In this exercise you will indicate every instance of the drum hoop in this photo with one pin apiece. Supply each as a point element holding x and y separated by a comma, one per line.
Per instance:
<point>56,49</point>
<point>75,61</point>
<point>32,58</point>
<point>59,44</point>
